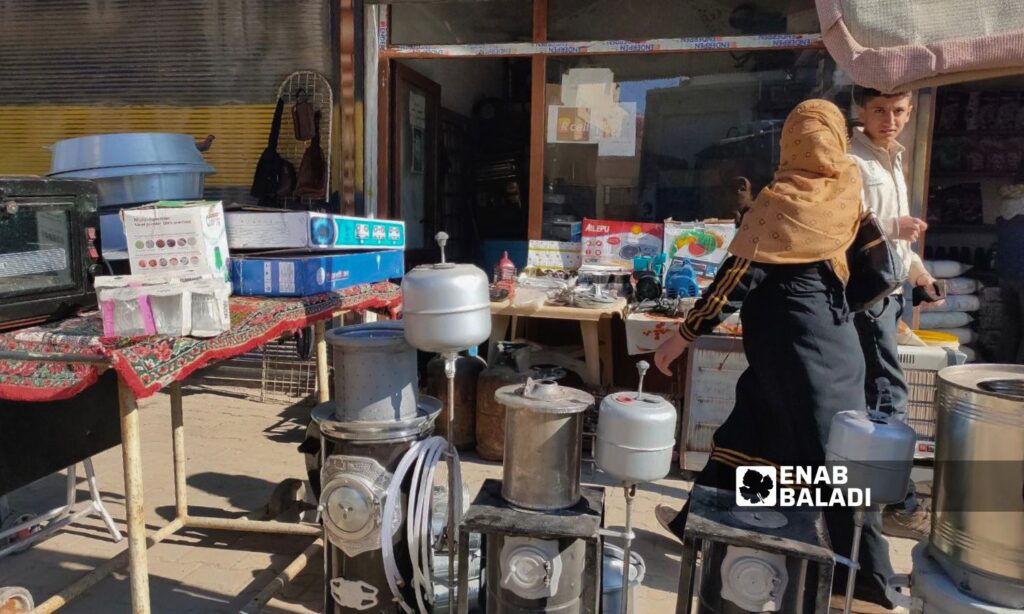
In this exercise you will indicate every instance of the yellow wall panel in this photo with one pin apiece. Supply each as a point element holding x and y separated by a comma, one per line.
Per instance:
<point>27,132</point>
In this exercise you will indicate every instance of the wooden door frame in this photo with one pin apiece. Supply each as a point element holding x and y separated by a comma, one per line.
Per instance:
<point>398,114</point>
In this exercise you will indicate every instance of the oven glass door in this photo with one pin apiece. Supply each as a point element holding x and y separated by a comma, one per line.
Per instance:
<point>37,253</point>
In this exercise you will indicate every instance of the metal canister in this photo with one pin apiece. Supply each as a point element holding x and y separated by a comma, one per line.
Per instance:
<point>977,533</point>
<point>374,373</point>
<point>543,430</point>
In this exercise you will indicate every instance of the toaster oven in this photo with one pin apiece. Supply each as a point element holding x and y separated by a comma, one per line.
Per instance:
<point>48,252</point>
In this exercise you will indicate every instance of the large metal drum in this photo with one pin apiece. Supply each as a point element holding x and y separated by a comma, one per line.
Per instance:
<point>543,430</point>
<point>978,509</point>
<point>374,373</point>
<point>526,575</point>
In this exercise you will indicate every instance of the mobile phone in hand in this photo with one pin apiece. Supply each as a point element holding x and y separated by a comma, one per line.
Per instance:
<point>930,294</point>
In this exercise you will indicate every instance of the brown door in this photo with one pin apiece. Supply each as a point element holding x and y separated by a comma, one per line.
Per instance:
<point>416,107</point>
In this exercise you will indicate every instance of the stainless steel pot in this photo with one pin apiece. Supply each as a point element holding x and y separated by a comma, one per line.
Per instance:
<point>174,182</point>
<point>374,373</point>
<point>446,306</point>
<point>543,430</point>
<point>978,512</point>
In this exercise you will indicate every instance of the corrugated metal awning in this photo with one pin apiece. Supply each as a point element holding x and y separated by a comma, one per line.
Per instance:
<point>200,67</point>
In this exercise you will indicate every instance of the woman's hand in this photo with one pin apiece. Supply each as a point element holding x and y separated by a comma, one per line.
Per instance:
<point>668,352</point>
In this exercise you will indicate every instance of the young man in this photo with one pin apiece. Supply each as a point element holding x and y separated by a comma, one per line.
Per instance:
<point>880,158</point>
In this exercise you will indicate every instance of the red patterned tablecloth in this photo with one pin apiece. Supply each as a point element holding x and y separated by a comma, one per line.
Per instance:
<point>148,364</point>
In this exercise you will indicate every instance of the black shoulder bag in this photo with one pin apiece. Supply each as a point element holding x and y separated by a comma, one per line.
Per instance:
<point>875,268</point>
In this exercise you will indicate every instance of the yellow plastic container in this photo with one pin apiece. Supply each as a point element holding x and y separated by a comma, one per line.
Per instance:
<point>934,338</point>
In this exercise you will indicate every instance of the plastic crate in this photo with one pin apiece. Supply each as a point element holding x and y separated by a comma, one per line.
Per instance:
<point>716,362</point>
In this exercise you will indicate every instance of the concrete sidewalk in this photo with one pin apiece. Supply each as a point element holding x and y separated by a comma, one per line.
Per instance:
<point>238,450</point>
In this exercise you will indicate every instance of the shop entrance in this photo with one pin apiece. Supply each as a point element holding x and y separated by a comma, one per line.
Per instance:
<point>460,154</point>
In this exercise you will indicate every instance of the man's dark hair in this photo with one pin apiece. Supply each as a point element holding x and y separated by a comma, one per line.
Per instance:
<point>863,95</point>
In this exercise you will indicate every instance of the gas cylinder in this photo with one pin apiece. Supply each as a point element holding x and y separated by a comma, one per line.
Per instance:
<point>876,448</point>
<point>490,415</point>
<point>467,371</point>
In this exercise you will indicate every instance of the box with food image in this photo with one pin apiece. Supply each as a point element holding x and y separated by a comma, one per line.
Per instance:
<point>615,243</point>
<point>705,244</point>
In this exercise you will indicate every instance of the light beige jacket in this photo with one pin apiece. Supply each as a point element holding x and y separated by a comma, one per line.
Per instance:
<point>885,194</point>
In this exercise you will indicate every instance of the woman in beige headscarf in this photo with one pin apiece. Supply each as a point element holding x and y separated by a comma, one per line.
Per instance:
<point>787,270</point>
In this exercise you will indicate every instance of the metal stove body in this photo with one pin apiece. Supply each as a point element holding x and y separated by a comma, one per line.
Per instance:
<point>754,559</point>
<point>365,432</point>
<point>541,528</point>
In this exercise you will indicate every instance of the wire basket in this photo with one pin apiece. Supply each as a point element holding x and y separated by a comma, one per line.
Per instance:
<point>313,87</point>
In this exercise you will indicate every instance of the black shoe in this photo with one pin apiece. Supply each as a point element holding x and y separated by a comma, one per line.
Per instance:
<point>671,520</point>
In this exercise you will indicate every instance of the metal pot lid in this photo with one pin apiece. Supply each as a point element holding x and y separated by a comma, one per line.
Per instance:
<point>544,396</point>
<point>137,170</point>
<point>375,335</point>
<point>611,562</point>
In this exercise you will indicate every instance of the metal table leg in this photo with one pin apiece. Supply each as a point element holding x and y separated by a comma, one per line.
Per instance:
<point>131,453</point>
<point>462,589</point>
<point>687,561</point>
<point>592,352</point>
<point>323,389</point>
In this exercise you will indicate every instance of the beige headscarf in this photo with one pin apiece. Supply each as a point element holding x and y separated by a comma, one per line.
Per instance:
<point>811,210</point>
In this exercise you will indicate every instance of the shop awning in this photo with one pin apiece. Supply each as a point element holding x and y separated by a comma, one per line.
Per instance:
<point>898,44</point>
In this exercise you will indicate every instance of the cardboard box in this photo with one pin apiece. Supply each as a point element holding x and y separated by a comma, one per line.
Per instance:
<point>274,229</point>
<point>615,244</point>
<point>704,242</point>
<point>179,238</point>
<point>645,332</point>
<point>554,255</point>
<point>306,275</point>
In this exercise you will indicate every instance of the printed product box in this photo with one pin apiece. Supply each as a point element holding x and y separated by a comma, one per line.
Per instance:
<point>615,244</point>
<point>306,275</point>
<point>177,238</point>
<point>553,255</point>
<point>703,242</point>
<point>275,229</point>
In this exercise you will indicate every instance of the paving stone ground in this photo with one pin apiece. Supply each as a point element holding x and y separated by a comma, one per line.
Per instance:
<point>238,450</point>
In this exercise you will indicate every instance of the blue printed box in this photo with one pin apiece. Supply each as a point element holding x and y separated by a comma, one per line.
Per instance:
<point>307,275</point>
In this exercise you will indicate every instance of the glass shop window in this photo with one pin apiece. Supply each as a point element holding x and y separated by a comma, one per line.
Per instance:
<point>645,138</point>
<point>462,23</point>
<point>646,19</point>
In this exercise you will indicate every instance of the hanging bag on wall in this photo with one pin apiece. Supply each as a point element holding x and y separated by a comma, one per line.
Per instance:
<point>303,117</point>
<point>312,169</point>
<point>875,268</point>
<point>274,175</point>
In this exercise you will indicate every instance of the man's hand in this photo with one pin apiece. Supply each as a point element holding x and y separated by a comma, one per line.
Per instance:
<point>668,352</point>
<point>925,280</point>
<point>910,228</point>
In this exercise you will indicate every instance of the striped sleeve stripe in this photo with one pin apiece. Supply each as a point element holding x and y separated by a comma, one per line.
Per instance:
<point>689,326</point>
<point>717,301</point>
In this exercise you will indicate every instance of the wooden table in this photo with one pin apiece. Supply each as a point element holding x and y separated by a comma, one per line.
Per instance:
<point>595,326</point>
<point>315,311</point>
